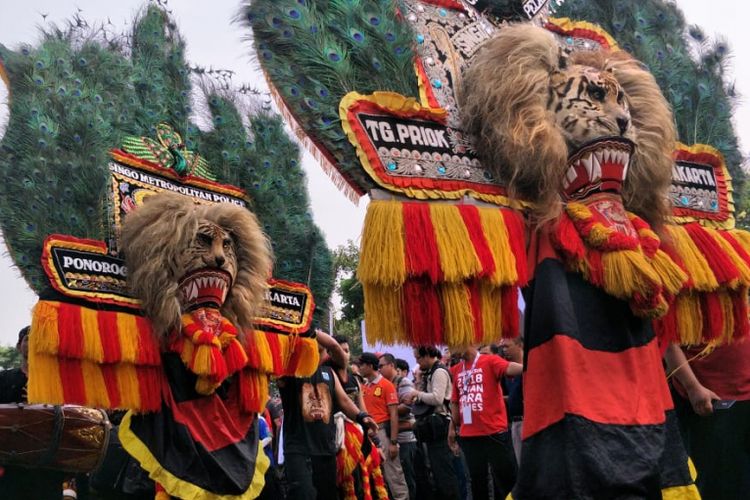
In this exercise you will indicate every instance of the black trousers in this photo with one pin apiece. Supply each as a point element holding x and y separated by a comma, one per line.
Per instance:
<point>311,478</point>
<point>496,451</point>
<point>407,453</point>
<point>439,481</point>
<point>720,448</point>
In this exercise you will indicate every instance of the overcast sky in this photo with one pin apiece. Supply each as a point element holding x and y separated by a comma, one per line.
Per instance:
<point>214,40</point>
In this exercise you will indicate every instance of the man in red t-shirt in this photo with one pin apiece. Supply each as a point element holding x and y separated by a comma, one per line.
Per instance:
<point>477,403</point>
<point>712,402</point>
<point>381,401</point>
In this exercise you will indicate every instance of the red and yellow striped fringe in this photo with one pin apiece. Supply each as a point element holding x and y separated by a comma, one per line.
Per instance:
<point>441,273</point>
<point>109,359</point>
<point>93,358</point>
<point>629,267</point>
<point>713,309</point>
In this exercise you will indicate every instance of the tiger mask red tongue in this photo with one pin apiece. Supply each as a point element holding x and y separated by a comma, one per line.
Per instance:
<point>207,287</point>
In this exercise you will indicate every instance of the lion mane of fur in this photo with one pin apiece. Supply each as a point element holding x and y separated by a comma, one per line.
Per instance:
<point>155,235</point>
<point>503,104</point>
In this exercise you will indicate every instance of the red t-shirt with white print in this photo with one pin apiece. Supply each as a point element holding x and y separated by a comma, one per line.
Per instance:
<point>476,389</point>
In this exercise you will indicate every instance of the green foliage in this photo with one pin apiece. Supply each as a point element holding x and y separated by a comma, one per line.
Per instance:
<point>76,95</point>
<point>317,52</point>
<point>349,289</point>
<point>10,357</point>
<point>690,68</point>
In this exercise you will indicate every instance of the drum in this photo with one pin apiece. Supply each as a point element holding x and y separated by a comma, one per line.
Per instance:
<point>66,438</point>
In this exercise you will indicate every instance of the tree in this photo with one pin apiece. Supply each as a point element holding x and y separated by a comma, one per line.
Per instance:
<point>9,357</point>
<point>349,289</point>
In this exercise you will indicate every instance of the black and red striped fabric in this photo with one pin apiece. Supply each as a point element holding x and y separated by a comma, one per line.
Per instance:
<point>597,420</point>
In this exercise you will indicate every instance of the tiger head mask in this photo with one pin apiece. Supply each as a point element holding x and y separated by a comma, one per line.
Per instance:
<point>531,106</point>
<point>181,255</point>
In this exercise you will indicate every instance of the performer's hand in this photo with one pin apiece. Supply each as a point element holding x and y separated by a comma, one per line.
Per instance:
<point>701,400</point>
<point>370,426</point>
<point>393,451</point>
<point>452,443</point>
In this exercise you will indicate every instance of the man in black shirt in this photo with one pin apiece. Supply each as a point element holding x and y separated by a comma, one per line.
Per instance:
<point>310,431</point>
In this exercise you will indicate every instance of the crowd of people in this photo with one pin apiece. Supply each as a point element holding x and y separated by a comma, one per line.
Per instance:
<point>447,428</point>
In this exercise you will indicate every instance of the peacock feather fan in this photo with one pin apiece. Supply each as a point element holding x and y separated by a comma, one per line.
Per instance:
<point>76,95</point>
<point>690,68</point>
<point>314,53</point>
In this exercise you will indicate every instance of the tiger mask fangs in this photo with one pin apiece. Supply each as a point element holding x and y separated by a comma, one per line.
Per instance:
<point>530,105</point>
<point>181,255</point>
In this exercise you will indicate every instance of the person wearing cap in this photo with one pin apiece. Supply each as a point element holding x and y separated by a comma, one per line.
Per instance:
<point>381,400</point>
<point>13,381</point>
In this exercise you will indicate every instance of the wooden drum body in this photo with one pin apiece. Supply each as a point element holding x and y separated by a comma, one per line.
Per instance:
<point>66,438</point>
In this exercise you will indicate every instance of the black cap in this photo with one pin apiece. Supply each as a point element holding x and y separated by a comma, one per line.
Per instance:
<point>22,333</point>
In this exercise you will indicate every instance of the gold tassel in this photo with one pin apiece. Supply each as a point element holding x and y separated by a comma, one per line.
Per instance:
<point>458,259</point>
<point>727,309</point>
<point>92,341</point>
<point>384,315</point>
<point>689,319</point>
<point>44,385</point>
<point>127,384</point>
<point>742,237</point>
<point>127,333</point>
<point>382,258</point>
<point>491,306</point>
<point>44,337</point>
<point>672,276</point>
<point>703,277</point>
<point>93,381</point>
<point>493,226</point>
<point>202,362</point>
<point>626,272</point>
<point>732,254</point>
<point>204,386</point>
<point>458,321</point>
<point>265,356</point>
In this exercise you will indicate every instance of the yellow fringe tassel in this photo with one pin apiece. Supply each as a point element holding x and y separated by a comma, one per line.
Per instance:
<point>264,353</point>
<point>201,360</point>
<point>727,308</point>
<point>689,319</point>
<point>742,237</point>
<point>458,259</point>
<point>732,254</point>
<point>45,385</point>
<point>127,383</point>
<point>672,276</point>
<point>626,272</point>
<point>491,307</point>
<point>703,277</point>
<point>458,322</point>
<point>92,341</point>
<point>494,229</point>
<point>382,258</point>
<point>44,337</point>
<point>384,315</point>
<point>127,331</point>
<point>306,351</point>
<point>96,389</point>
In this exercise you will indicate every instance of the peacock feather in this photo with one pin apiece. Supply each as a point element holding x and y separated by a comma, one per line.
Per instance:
<point>317,52</point>
<point>75,95</point>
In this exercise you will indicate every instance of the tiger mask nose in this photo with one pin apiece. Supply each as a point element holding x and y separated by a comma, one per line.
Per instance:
<point>623,123</point>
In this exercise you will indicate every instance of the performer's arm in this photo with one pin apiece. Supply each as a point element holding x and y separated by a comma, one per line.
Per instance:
<point>335,351</point>
<point>393,446</point>
<point>452,443</point>
<point>351,410</point>
<point>514,369</point>
<point>700,397</point>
